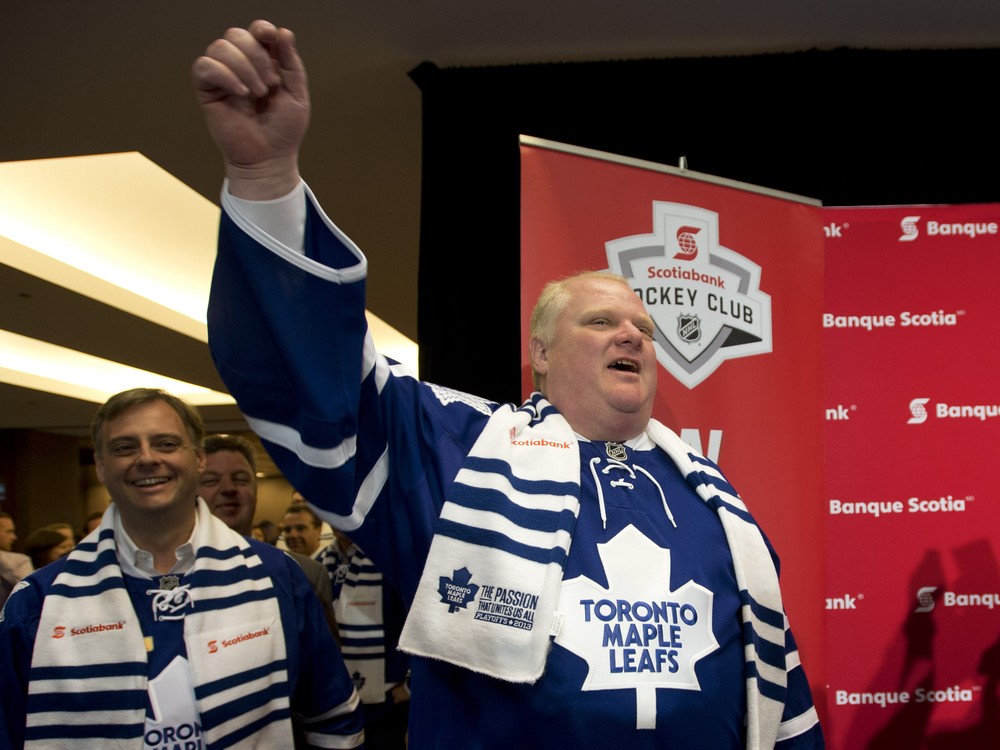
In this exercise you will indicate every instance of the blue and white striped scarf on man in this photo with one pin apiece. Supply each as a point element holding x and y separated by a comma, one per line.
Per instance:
<point>83,694</point>
<point>513,511</point>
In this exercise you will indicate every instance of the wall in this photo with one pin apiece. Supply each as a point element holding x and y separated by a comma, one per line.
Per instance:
<point>43,478</point>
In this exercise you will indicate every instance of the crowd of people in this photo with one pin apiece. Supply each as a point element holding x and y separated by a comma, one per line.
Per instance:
<point>561,573</point>
<point>40,547</point>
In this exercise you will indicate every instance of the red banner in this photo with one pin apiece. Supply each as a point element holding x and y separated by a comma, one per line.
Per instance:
<point>912,429</point>
<point>733,277</point>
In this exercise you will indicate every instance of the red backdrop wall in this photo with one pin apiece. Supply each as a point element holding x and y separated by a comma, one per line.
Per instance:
<point>912,430</point>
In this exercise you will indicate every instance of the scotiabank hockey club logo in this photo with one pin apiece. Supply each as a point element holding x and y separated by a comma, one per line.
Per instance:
<point>704,298</point>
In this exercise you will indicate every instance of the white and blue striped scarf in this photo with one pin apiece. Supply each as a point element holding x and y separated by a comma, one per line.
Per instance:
<point>88,682</point>
<point>513,511</point>
<point>357,602</point>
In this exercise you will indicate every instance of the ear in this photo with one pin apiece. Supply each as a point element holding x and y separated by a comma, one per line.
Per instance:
<point>99,467</point>
<point>539,355</point>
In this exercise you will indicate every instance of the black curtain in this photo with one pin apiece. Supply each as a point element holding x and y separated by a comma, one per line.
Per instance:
<point>847,127</point>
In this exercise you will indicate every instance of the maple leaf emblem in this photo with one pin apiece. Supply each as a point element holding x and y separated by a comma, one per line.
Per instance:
<point>456,591</point>
<point>358,679</point>
<point>637,634</point>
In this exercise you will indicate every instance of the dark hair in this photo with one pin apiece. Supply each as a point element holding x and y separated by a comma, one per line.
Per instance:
<point>234,443</point>
<point>122,402</point>
<point>97,514</point>
<point>62,527</point>
<point>303,508</point>
<point>270,531</point>
<point>40,542</point>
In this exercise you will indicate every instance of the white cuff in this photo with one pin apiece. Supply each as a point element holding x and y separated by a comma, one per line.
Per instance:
<point>283,218</point>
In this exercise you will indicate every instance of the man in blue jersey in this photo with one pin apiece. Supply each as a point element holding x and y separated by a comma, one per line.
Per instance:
<point>575,575</point>
<point>165,628</point>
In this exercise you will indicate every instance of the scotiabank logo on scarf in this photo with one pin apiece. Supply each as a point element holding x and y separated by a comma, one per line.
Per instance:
<point>704,298</point>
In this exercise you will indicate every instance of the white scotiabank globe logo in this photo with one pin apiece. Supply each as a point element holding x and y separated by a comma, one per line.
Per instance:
<point>704,298</point>
<point>918,411</point>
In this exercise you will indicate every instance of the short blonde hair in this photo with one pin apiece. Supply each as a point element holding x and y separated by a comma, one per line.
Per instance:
<point>550,304</point>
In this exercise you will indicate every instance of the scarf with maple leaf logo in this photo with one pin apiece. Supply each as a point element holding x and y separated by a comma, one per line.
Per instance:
<point>510,515</point>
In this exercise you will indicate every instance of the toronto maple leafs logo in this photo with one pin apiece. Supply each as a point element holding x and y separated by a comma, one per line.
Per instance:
<point>637,634</point>
<point>456,591</point>
<point>358,679</point>
<point>171,717</point>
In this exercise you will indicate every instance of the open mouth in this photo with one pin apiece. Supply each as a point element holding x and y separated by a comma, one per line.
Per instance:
<point>624,365</point>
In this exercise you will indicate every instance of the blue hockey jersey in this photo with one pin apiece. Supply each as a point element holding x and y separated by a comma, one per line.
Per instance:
<point>376,451</point>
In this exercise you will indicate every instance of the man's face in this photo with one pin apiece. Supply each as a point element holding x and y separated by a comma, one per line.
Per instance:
<point>147,461</point>
<point>600,367</point>
<point>7,535</point>
<point>300,534</point>
<point>229,487</point>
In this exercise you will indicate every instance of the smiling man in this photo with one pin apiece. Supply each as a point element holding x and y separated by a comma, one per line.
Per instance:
<point>302,529</point>
<point>167,628</point>
<point>228,482</point>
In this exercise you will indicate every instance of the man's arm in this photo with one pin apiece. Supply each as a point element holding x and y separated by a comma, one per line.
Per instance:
<point>253,90</point>
<point>18,628</point>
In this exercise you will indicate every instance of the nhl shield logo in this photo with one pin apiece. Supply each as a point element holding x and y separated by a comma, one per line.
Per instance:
<point>705,299</point>
<point>616,452</point>
<point>689,328</point>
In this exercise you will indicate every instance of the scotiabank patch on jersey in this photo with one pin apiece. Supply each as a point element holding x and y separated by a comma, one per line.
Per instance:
<point>704,298</point>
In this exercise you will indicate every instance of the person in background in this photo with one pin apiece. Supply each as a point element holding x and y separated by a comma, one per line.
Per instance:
<point>8,531</point>
<point>228,484</point>
<point>167,628</point>
<point>267,531</point>
<point>92,522</point>
<point>370,617</point>
<point>575,574</point>
<point>63,528</point>
<point>301,529</point>
<point>13,565</point>
<point>46,545</point>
